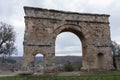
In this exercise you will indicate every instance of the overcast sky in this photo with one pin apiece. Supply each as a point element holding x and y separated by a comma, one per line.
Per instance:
<point>11,12</point>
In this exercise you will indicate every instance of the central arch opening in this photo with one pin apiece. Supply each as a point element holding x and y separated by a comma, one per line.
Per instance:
<point>68,52</point>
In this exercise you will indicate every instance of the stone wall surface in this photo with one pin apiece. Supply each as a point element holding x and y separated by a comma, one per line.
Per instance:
<point>43,26</point>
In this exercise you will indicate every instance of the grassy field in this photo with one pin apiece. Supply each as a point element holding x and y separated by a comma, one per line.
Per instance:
<point>109,75</point>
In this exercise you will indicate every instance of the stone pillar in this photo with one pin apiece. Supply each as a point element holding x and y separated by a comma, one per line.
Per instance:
<point>49,67</point>
<point>88,57</point>
<point>28,60</point>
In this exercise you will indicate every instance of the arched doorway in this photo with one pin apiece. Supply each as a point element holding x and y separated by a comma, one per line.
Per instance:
<point>101,60</point>
<point>39,63</point>
<point>68,52</point>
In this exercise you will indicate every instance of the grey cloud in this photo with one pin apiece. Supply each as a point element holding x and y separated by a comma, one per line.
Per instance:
<point>12,11</point>
<point>67,39</point>
<point>68,43</point>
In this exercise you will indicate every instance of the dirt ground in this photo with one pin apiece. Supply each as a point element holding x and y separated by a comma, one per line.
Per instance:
<point>7,73</point>
<point>75,73</point>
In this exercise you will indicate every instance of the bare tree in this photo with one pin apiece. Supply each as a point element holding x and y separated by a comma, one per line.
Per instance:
<point>115,51</point>
<point>7,40</point>
<point>115,48</point>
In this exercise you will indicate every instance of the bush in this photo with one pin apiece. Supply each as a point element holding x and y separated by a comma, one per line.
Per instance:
<point>68,66</point>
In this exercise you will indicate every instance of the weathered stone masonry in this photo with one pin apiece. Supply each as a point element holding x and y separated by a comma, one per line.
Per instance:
<point>43,26</point>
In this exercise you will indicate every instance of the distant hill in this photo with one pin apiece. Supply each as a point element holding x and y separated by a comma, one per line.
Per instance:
<point>65,59</point>
<point>58,60</point>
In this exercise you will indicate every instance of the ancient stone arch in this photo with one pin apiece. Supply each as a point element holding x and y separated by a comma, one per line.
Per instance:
<point>43,26</point>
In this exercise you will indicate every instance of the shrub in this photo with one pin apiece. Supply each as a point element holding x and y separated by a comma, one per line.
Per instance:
<point>68,66</point>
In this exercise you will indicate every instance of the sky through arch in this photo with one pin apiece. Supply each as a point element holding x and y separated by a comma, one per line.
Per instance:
<point>68,44</point>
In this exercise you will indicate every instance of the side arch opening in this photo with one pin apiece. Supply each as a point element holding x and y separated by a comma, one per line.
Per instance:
<point>100,60</point>
<point>39,63</point>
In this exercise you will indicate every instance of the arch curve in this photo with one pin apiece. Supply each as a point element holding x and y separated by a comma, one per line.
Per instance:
<point>76,29</point>
<point>34,53</point>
